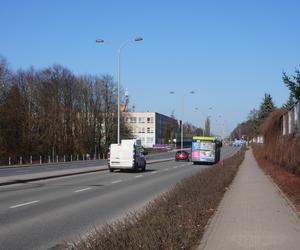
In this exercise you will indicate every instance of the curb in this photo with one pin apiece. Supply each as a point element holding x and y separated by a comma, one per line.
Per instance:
<point>290,204</point>
<point>17,181</point>
<point>281,193</point>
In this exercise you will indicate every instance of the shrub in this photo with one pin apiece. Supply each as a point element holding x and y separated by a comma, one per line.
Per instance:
<point>281,150</point>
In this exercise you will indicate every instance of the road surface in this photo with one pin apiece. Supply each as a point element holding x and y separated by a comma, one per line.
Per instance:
<point>41,214</point>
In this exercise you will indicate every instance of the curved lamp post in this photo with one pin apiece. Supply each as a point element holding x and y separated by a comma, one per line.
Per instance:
<point>137,39</point>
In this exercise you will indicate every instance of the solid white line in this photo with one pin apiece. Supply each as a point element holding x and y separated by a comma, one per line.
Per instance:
<point>24,204</point>
<point>117,181</point>
<point>23,171</point>
<point>138,176</point>
<point>81,190</point>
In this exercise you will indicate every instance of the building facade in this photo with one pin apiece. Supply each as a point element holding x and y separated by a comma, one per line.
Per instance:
<point>291,120</point>
<point>151,127</point>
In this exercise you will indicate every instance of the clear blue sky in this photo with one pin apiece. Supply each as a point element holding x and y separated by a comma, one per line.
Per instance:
<point>229,52</point>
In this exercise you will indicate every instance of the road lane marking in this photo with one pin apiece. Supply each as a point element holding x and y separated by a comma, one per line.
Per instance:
<point>166,169</point>
<point>138,176</point>
<point>23,171</point>
<point>175,167</point>
<point>24,204</point>
<point>117,181</point>
<point>154,172</point>
<point>81,190</point>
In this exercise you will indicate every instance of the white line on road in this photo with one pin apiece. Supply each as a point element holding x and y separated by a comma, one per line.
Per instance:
<point>23,171</point>
<point>154,172</point>
<point>138,176</point>
<point>81,190</point>
<point>117,181</point>
<point>175,167</point>
<point>24,204</point>
<point>166,169</point>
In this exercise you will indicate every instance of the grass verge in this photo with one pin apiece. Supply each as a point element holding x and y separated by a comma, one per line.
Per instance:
<point>174,220</point>
<point>288,182</point>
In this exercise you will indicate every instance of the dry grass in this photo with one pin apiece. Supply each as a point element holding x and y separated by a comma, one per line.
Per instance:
<point>175,220</point>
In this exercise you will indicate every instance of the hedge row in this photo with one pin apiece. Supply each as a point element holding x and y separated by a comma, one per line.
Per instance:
<point>282,150</point>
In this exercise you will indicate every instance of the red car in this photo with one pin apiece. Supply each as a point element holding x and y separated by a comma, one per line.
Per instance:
<point>182,155</point>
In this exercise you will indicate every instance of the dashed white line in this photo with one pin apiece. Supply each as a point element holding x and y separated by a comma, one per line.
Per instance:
<point>166,169</point>
<point>24,204</point>
<point>175,167</point>
<point>81,190</point>
<point>117,181</point>
<point>154,172</point>
<point>138,176</point>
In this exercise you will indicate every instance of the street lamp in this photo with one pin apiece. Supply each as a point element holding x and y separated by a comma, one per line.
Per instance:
<point>191,92</point>
<point>137,39</point>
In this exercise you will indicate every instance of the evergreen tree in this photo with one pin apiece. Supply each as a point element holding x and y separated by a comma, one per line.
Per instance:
<point>266,107</point>
<point>289,103</point>
<point>293,84</point>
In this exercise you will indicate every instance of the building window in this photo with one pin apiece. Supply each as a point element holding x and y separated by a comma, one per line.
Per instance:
<point>150,120</point>
<point>141,130</point>
<point>149,139</point>
<point>133,119</point>
<point>148,131</point>
<point>141,119</point>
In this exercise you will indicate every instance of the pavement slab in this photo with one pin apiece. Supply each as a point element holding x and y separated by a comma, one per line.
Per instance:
<point>253,215</point>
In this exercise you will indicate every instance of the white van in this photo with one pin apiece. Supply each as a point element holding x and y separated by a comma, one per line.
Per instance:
<point>127,155</point>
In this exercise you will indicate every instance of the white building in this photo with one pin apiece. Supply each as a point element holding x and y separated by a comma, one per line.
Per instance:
<point>150,127</point>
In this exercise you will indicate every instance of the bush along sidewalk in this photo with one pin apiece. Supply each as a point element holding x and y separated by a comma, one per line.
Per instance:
<point>174,220</point>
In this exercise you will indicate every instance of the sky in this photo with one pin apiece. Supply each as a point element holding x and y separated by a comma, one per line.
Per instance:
<point>228,52</point>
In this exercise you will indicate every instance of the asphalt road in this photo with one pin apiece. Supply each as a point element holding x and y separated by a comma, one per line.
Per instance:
<point>41,214</point>
<point>20,170</point>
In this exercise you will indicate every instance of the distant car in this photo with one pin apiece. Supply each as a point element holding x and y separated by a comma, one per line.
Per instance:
<point>182,155</point>
<point>238,143</point>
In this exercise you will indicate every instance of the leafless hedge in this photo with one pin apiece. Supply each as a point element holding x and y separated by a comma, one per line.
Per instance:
<point>283,150</point>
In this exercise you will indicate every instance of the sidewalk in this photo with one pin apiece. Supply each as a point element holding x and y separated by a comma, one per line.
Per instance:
<point>253,215</point>
<point>7,180</point>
